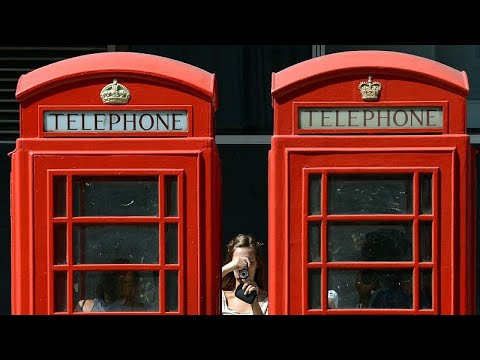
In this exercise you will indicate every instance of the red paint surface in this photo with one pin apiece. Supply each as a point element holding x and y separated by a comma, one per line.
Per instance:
<point>332,81</point>
<point>154,82</point>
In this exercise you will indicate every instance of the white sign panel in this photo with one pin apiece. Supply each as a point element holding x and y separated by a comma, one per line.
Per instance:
<point>371,118</point>
<point>116,121</point>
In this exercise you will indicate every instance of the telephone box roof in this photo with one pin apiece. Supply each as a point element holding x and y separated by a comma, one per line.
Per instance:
<point>129,63</point>
<point>366,61</point>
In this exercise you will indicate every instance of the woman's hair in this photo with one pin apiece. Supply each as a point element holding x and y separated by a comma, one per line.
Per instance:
<point>247,241</point>
<point>108,285</point>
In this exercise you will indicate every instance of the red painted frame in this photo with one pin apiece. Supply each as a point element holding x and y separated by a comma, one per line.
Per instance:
<point>300,173</point>
<point>154,83</point>
<point>407,80</point>
<point>183,166</point>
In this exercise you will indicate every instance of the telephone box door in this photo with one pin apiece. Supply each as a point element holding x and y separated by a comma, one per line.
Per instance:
<point>371,231</point>
<point>113,214</point>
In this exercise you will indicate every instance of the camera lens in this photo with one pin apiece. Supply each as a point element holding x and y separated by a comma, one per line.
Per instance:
<point>243,274</point>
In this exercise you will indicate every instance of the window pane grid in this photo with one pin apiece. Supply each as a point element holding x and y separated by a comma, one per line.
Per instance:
<point>413,265</point>
<point>69,269</point>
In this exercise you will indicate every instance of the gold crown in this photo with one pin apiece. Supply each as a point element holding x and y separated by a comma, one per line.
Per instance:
<point>370,89</point>
<point>115,93</point>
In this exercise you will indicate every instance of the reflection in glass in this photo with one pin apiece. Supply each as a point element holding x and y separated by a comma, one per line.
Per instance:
<point>107,291</point>
<point>59,196</point>
<point>171,195</point>
<point>101,244</point>
<point>314,286</point>
<point>171,245</point>
<point>370,241</point>
<point>60,243</point>
<point>370,194</point>
<point>115,196</point>
<point>60,289</point>
<point>171,291</point>
<point>148,288</point>
<point>425,241</point>
<point>425,288</point>
<point>425,193</point>
<point>314,194</point>
<point>343,282</point>
<point>372,288</point>
<point>314,241</point>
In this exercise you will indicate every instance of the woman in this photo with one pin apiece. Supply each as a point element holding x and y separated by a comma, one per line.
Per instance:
<point>116,291</point>
<point>243,253</point>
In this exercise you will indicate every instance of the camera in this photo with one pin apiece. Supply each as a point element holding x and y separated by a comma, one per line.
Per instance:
<point>243,274</point>
<point>239,292</point>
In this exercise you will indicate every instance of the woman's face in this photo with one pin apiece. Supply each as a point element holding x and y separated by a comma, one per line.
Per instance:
<point>249,253</point>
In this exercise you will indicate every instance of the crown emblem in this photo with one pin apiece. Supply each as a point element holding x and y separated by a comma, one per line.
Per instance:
<point>115,93</point>
<point>370,90</point>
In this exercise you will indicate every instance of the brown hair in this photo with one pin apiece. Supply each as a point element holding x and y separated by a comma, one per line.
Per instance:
<point>239,241</point>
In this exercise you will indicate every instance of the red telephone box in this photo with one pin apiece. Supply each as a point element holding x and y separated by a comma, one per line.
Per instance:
<point>371,187</point>
<point>115,188</point>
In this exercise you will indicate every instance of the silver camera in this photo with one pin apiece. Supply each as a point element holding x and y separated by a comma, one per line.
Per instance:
<point>243,274</point>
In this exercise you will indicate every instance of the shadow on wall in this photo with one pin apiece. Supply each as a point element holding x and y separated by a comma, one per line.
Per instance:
<point>245,193</point>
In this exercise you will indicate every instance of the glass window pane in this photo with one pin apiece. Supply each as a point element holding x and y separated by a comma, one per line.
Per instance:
<point>171,289</point>
<point>314,194</point>
<point>426,241</point>
<point>171,195</point>
<point>115,196</point>
<point>103,244</point>
<point>60,283</point>
<point>394,290</point>
<point>426,193</point>
<point>314,286</point>
<point>171,245</point>
<point>370,241</point>
<point>372,288</point>
<point>107,291</point>
<point>314,241</point>
<point>343,283</point>
<point>148,290</point>
<point>59,196</point>
<point>370,194</point>
<point>60,243</point>
<point>425,288</point>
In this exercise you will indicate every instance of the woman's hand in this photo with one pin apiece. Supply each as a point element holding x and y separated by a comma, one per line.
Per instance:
<point>240,262</point>
<point>237,263</point>
<point>249,286</point>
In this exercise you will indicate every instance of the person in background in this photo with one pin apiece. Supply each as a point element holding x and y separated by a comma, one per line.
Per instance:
<point>367,286</point>
<point>399,293</point>
<point>116,291</point>
<point>243,253</point>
